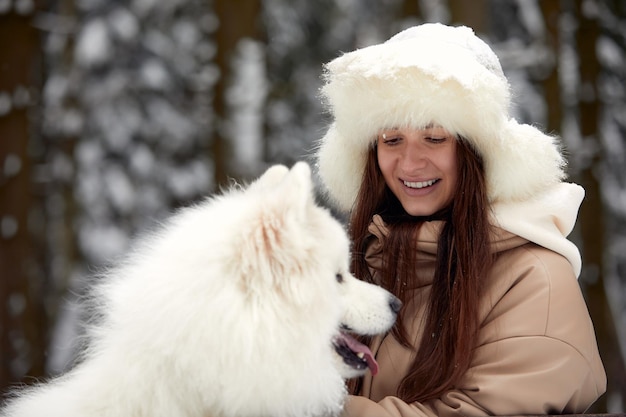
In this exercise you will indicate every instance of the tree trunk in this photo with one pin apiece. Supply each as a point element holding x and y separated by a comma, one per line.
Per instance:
<point>474,14</point>
<point>22,316</point>
<point>592,212</point>
<point>551,11</point>
<point>238,19</point>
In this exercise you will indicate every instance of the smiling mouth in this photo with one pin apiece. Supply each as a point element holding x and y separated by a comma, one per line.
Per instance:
<point>420,184</point>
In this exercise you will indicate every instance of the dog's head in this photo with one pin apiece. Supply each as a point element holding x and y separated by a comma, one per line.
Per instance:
<point>295,255</point>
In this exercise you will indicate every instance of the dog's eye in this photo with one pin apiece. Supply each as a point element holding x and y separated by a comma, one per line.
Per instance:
<point>339,277</point>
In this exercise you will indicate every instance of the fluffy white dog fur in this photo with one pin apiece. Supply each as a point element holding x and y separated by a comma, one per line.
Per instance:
<point>233,308</point>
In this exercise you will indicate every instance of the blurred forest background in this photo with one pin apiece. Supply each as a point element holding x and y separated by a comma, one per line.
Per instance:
<point>115,112</point>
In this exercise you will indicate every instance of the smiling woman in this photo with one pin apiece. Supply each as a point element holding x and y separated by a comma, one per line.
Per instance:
<point>419,167</point>
<point>462,213</point>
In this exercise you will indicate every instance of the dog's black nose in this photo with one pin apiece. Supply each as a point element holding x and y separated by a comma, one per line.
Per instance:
<point>395,304</point>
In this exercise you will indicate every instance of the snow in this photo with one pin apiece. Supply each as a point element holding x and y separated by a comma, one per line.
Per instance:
<point>5,103</point>
<point>119,188</point>
<point>434,11</point>
<point>173,124</point>
<point>103,242</point>
<point>5,6</point>
<point>12,165</point>
<point>24,7</point>
<point>123,24</point>
<point>187,182</point>
<point>8,226</point>
<point>117,125</point>
<point>610,55</point>
<point>54,90</point>
<point>94,44</point>
<point>246,99</point>
<point>142,161</point>
<point>21,97</point>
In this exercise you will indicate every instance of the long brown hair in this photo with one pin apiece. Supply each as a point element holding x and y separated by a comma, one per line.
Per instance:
<point>463,259</point>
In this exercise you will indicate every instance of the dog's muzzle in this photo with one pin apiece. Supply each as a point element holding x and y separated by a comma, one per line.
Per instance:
<point>355,353</point>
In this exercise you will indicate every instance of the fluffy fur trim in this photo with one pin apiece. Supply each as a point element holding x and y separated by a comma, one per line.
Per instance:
<point>430,74</point>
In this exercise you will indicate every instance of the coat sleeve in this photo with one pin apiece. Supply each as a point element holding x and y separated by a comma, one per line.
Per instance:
<point>537,352</point>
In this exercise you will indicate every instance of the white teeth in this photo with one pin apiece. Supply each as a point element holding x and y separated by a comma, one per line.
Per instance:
<point>419,184</point>
<point>361,355</point>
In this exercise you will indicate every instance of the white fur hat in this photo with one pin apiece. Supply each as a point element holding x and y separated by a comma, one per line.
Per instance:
<point>431,73</point>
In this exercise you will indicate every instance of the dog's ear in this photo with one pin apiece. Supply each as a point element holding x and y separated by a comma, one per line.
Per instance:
<point>270,178</point>
<point>287,189</point>
<point>272,248</point>
<point>297,188</point>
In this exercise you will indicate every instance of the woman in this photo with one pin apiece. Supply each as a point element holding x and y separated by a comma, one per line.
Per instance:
<point>463,213</point>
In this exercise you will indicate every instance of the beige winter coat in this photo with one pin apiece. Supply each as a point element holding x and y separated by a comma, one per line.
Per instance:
<point>537,352</point>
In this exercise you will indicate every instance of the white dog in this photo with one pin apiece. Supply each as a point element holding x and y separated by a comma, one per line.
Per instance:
<point>234,308</point>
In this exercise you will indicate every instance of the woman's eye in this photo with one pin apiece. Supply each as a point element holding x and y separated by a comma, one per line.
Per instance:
<point>390,140</point>
<point>436,139</point>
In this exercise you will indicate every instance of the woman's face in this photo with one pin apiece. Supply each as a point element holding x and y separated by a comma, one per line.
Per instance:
<point>419,166</point>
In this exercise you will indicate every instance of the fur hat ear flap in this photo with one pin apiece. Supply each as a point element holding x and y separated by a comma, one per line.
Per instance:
<point>522,163</point>
<point>341,175</point>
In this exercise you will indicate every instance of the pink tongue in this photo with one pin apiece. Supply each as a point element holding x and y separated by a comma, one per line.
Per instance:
<point>359,347</point>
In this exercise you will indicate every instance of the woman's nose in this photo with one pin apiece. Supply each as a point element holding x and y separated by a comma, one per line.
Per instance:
<point>414,156</point>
